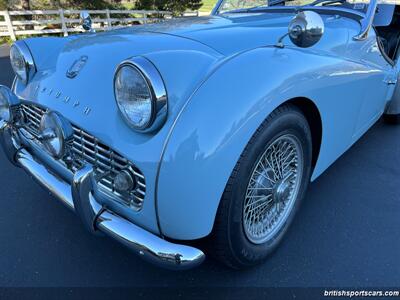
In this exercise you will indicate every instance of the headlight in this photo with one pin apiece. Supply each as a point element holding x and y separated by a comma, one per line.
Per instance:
<point>22,61</point>
<point>140,94</point>
<point>54,132</point>
<point>7,101</point>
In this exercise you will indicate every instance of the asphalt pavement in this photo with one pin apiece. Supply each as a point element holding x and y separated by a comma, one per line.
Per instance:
<point>347,232</point>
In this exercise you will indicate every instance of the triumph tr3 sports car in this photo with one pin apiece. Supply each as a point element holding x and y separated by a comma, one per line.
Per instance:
<point>201,131</point>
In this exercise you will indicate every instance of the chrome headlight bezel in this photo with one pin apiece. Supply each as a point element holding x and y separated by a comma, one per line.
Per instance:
<point>10,104</point>
<point>158,92</point>
<point>28,70</point>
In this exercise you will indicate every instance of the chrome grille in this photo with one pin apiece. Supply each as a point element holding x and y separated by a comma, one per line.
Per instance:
<point>85,148</point>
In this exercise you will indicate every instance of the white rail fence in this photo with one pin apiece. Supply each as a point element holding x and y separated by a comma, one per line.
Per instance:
<point>44,22</point>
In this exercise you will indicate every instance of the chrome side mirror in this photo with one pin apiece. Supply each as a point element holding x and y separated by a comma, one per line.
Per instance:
<point>86,21</point>
<point>306,29</point>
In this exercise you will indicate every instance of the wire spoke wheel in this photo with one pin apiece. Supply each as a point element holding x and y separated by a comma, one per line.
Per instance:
<point>273,188</point>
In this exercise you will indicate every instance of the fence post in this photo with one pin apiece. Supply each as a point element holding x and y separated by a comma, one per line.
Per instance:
<point>109,23</point>
<point>63,24</point>
<point>144,18</point>
<point>10,27</point>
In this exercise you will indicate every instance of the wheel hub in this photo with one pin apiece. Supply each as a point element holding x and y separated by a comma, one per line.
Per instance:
<point>281,190</point>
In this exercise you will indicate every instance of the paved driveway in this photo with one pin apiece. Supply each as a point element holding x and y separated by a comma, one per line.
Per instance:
<point>346,234</point>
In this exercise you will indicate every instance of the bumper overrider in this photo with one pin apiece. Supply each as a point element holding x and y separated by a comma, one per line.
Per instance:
<point>77,194</point>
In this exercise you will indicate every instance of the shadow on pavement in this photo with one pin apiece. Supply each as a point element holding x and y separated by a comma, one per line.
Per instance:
<point>5,66</point>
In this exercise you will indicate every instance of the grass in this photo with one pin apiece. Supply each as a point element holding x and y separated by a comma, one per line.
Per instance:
<point>208,5</point>
<point>129,5</point>
<point>5,40</point>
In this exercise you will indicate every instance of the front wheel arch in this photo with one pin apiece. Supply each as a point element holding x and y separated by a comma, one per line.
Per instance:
<point>212,130</point>
<point>227,241</point>
<point>186,159</point>
<point>313,116</point>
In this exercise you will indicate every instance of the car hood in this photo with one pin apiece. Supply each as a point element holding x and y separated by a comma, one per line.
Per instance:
<point>172,46</point>
<point>185,51</point>
<point>226,34</point>
<point>217,35</point>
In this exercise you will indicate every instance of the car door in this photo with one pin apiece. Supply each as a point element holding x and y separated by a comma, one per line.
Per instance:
<point>377,78</point>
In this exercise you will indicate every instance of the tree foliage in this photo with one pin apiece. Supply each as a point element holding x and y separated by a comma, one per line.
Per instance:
<point>3,4</point>
<point>65,4</point>
<point>177,7</point>
<point>92,4</point>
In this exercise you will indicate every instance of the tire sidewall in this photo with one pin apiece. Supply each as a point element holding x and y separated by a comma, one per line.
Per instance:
<point>291,122</point>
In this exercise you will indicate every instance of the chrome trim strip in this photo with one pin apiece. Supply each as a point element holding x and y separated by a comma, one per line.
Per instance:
<point>30,65</point>
<point>147,245</point>
<point>215,10</point>
<point>366,22</point>
<point>158,91</point>
<point>14,84</point>
<point>325,10</point>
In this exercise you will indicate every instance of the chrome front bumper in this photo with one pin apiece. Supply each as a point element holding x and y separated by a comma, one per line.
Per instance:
<point>78,196</point>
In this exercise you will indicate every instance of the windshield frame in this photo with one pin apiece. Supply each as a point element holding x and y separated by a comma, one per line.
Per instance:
<point>277,8</point>
<point>287,9</point>
<point>365,19</point>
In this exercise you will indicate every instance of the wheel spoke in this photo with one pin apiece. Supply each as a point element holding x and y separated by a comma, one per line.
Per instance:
<point>271,189</point>
<point>265,176</point>
<point>262,200</point>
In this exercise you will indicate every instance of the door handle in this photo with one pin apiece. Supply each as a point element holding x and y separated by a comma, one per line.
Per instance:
<point>390,81</point>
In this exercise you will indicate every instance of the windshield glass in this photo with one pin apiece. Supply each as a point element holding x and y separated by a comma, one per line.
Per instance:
<point>253,5</point>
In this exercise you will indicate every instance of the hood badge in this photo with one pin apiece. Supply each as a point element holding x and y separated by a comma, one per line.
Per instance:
<point>58,96</point>
<point>77,66</point>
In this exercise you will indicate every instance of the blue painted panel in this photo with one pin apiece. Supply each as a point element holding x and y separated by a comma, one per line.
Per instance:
<point>93,88</point>
<point>203,149</point>
<point>223,78</point>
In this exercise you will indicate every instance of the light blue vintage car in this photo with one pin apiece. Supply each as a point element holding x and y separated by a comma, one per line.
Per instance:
<point>211,127</point>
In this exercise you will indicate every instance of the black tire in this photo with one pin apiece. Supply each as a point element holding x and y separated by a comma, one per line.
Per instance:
<point>391,119</point>
<point>228,240</point>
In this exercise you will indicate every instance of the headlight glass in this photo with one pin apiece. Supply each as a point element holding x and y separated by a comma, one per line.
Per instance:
<point>18,64</point>
<point>134,97</point>
<point>5,113</point>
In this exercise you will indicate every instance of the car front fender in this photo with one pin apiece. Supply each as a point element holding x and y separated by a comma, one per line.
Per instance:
<point>219,119</point>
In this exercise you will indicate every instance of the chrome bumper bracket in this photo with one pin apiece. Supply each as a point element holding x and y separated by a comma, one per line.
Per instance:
<point>81,188</point>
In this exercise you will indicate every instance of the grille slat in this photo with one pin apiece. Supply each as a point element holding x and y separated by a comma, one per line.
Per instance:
<point>34,117</point>
<point>141,184</point>
<point>35,112</point>
<point>140,192</point>
<point>85,148</point>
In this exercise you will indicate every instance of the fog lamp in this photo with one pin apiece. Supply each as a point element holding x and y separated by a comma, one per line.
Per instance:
<point>124,182</point>
<point>54,132</point>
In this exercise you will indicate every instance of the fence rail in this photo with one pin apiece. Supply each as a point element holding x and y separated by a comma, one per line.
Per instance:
<point>38,22</point>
